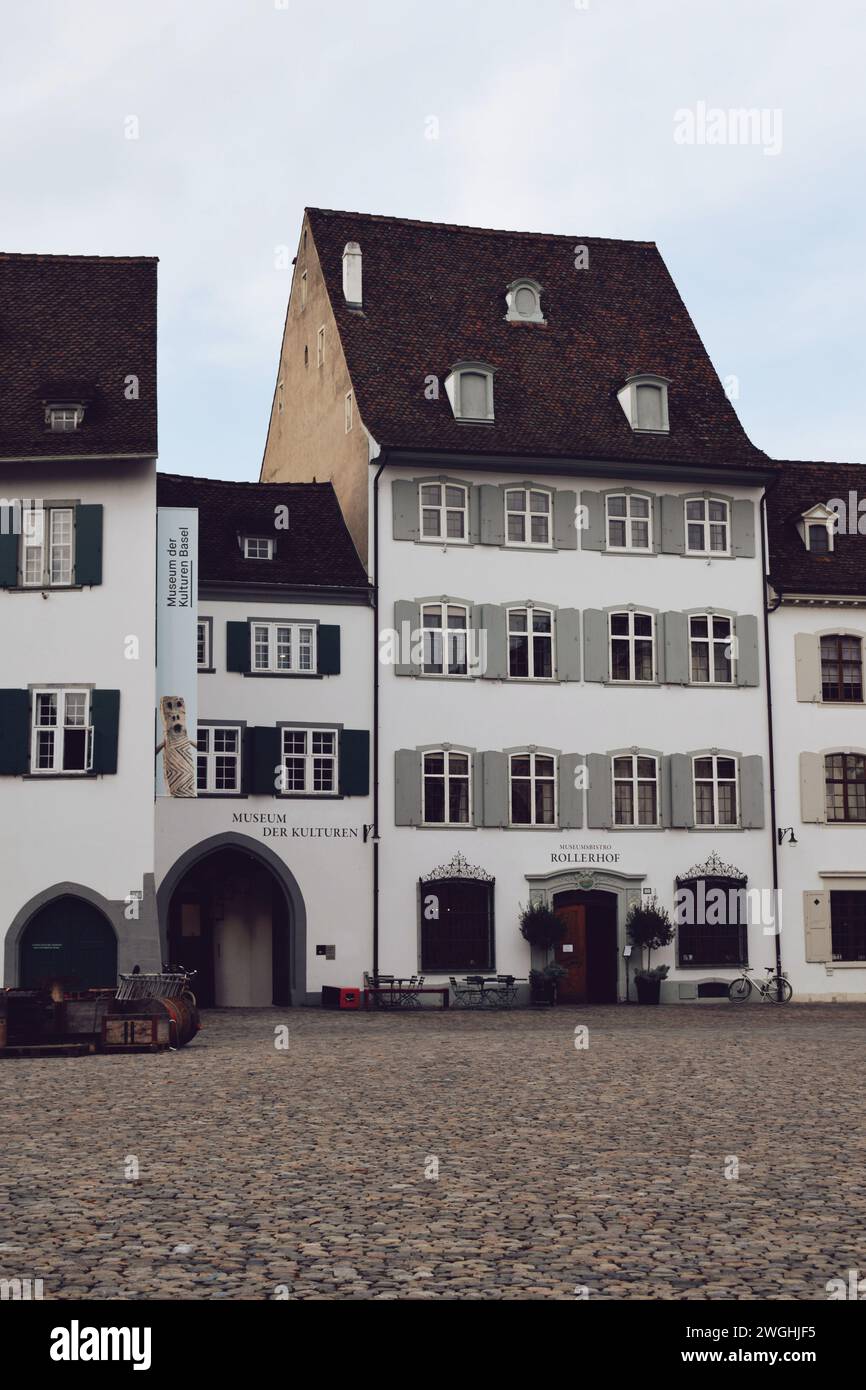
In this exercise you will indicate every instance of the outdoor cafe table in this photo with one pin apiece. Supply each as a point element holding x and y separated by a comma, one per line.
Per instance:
<point>399,986</point>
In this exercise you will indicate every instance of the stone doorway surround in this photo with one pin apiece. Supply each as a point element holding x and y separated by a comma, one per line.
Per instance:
<point>626,888</point>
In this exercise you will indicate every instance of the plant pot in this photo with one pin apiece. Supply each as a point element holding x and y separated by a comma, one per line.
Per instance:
<point>648,991</point>
<point>544,994</point>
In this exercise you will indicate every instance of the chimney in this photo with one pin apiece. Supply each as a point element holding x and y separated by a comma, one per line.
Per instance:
<point>352,275</point>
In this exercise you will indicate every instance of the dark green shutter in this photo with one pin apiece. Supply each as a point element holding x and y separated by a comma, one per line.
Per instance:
<point>237,646</point>
<point>329,649</point>
<point>105,716</point>
<point>265,761</point>
<point>8,555</point>
<point>14,731</point>
<point>247,759</point>
<point>355,762</point>
<point>88,543</point>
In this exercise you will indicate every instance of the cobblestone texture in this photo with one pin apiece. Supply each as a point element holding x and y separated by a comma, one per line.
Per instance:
<point>559,1169</point>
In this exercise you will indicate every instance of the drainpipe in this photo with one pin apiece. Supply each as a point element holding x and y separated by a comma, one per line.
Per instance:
<point>774,841</point>
<point>378,475</point>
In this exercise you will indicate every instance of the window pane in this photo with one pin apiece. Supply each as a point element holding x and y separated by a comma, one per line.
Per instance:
<point>542,656</point>
<point>515,501</point>
<point>695,510</point>
<point>455,497</point>
<point>695,537</point>
<point>455,525</point>
<point>539,502</point>
<point>700,627</point>
<point>473,395</point>
<point>703,767</point>
<point>543,765</point>
<point>616,532</point>
<point>619,624</point>
<point>434,763</point>
<point>649,407</point>
<point>616,506</point>
<point>640,535</point>
<point>517,528</point>
<point>718,511</point>
<point>542,621</point>
<point>520,802</point>
<point>643,624</point>
<point>431,494</point>
<point>540,530</point>
<point>520,765</point>
<point>640,506</point>
<point>518,656</point>
<point>430,523</point>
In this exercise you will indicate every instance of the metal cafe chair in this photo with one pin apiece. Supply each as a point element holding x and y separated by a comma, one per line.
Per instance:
<point>386,996</point>
<point>464,994</point>
<point>408,997</point>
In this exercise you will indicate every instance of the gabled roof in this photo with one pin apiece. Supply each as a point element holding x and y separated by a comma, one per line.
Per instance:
<point>75,328</point>
<point>793,568</point>
<point>435,294</point>
<point>315,551</point>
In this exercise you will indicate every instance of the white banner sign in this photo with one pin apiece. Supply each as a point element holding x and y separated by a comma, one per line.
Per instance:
<point>176,649</point>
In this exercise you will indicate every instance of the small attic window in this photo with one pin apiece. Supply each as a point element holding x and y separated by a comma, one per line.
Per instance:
<point>469,387</point>
<point>523,302</point>
<point>817,528</point>
<point>258,548</point>
<point>63,417</point>
<point>644,400</point>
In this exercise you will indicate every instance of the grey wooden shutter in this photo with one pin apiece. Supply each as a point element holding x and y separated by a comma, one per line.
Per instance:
<point>14,732</point>
<point>570,796</point>
<point>673,524</point>
<point>656,504</point>
<point>564,519</point>
<point>105,718</point>
<point>663,790</point>
<point>567,627</point>
<point>592,535</point>
<point>407,623</point>
<point>746,629</point>
<point>8,554</point>
<point>407,787</point>
<point>493,641</point>
<point>813,789</point>
<point>596,662</point>
<point>677,664</point>
<point>355,762</point>
<point>492,510</point>
<point>474,509</point>
<point>267,759</point>
<point>404,506</point>
<point>88,543</point>
<point>752,792</point>
<point>495,808</point>
<point>807,661</point>
<point>743,527</point>
<point>817,922</point>
<point>477,788</point>
<point>328,649</point>
<point>658,621</point>
<point>599,796</point>
<point>237,646</point>
<point>682,791</point>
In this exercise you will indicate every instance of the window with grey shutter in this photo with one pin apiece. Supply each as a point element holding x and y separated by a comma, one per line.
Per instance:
<point>681,791</point>
<point>407,624</point>
<point>404,506</point>
<point>674,642</point>
<point>599,796</point>
<point>567,627</point>
<point>495,790</point>
<point>492,640</point>
<point>752,792</point>
<point>746,628</point>
<point>813,795</point>
<point>596,661</point>
<point>673,524</point>
<point>407,787</point>
<point>570,795</point>
<point>492,514</point>
<point>743,528</point>
<point>564,519</point>
<point>818,926</point>
<point>592,521</point>
<point>807,662</point>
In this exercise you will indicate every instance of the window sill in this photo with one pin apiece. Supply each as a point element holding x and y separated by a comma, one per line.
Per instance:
<point>283,675</point>
<point>216,796</point>
<point>831,965</point>
<point>60,776</point>
<point>206,670</point>
<point>47,588</point>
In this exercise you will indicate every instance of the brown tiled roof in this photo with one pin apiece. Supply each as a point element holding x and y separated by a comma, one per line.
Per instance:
<point>435,294</point>
<point>316,550</point>
<point>75,327</point>
<point>794,569</point>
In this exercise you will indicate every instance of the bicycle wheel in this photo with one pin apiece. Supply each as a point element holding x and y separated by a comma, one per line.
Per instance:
<point>780,990</point>
<point>740,989</point>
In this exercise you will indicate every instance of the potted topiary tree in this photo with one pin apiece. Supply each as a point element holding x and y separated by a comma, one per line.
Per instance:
<point>543,983</point>
<point>543,929</point>
<point>649,929</point>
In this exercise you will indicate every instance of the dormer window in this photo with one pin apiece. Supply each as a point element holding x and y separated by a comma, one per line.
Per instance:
<point>258,548</point>
<point>469,387</point>
<point>523,302</point>
<point>817,528</point>
<point>63,417</point>
<point>644,400</point>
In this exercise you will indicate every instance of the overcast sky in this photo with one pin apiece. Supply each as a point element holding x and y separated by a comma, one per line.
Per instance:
<point>553,115</point>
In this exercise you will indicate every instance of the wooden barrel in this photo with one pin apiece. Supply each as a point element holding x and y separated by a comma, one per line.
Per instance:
<point>184,1020</point>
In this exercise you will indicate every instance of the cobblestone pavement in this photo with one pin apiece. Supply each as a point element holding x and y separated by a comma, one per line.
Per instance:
<point>558,1169</point>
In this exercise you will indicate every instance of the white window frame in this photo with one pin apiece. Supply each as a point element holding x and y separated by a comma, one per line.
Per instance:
<point>628,399</point>
<point>526,513</point>
<point>530,610</point>
<point>266,541</point>
<point>37,536</point>
<point>454,390</point>
<point>631,639</point>
<point>446,776</point>
<point>349,407</point>
<point>705,523</point>
<point>442,609</point>
<point>63,417</point>
<point>203,631</point>
<point>273,640</point>
<point>635,782</point>
<point>311,758</point>
<point>629,547</point>
<point>320,346</point>
<point>60,693</point>
<point>715,781</point>
<point>533,779</point>
<point>712,642</point>
<point>443,509</point>
<point>211,753</point>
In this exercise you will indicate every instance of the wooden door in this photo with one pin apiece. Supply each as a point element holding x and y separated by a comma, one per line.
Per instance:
<point>571,954</point>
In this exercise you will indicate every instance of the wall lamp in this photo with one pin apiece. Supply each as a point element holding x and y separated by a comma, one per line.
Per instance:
<point>788,830</point>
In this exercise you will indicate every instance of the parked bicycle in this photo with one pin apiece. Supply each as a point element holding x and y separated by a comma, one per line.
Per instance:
<point>775,988</point>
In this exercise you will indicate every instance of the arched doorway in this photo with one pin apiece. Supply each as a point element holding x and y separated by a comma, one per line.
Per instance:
<point>70,941</point>
<point>229,920</point>
<point>588,952</point>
